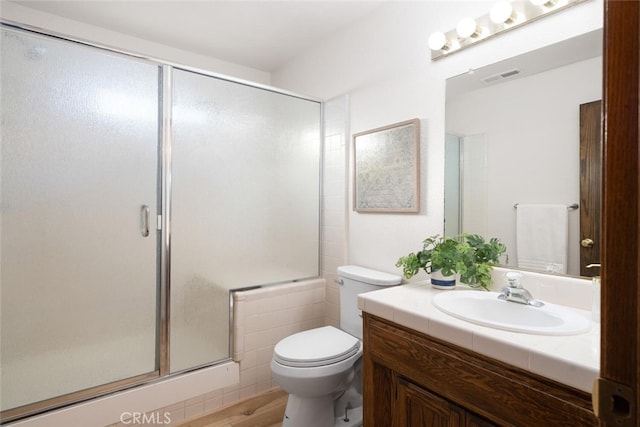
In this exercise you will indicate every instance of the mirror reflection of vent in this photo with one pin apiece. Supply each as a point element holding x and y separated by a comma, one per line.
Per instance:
<point>501,76</point>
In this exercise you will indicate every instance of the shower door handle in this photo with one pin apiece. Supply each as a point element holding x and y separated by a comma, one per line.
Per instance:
<point>144,220</point>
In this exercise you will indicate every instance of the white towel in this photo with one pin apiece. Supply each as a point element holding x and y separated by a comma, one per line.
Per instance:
<point>542,234</point>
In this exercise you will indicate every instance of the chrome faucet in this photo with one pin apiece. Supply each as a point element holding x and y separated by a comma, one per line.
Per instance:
<point>516,293</point>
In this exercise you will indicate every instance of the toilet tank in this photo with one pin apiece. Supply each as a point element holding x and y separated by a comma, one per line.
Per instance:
<point>356,280</point>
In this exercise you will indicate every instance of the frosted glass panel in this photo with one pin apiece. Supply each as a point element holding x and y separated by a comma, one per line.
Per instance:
<point>474,184</point>
<point>245,207</point>
<point>452,185</point>
<point>78,160</point>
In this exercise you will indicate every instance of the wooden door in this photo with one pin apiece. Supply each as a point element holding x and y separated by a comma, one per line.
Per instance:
<point>620,350</point>
<point>590,185</point>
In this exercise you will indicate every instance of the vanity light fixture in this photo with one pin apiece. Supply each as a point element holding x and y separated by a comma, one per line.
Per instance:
<point>545,3</point>
<point>504,16</point>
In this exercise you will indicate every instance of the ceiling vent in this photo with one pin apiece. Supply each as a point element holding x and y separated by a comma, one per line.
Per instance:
<point>501,76</point>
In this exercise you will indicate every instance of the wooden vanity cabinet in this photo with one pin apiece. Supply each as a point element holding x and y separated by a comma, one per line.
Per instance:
<point>412,379</point>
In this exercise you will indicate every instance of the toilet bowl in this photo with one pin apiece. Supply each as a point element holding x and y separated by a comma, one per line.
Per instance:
<point>321,368</point>
<point>314,367</point>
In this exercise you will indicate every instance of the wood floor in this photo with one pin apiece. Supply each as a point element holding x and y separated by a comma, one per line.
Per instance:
<point>263,410</point>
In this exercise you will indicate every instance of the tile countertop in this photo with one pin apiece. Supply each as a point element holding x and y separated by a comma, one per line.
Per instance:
<point>573,360</point>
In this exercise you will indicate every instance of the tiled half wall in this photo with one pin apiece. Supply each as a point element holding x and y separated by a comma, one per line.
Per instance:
<point>262,317</point>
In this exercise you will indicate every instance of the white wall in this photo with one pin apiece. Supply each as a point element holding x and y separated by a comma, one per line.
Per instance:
<point>383,63</point>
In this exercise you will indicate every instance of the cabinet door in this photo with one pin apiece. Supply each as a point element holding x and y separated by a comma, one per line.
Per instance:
<point>418,407</point>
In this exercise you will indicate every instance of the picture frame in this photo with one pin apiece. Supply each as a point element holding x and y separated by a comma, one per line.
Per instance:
<point>386,169</point>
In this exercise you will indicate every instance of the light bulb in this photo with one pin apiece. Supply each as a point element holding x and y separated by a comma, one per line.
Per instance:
<point>502,13</point>
<point>467,27</point>
<point>438,41</point>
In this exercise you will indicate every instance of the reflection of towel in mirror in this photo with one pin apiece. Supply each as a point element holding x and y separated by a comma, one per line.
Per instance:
<point>542,237</point>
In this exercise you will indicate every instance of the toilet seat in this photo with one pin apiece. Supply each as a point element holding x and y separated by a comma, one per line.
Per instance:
<point>316,347</point>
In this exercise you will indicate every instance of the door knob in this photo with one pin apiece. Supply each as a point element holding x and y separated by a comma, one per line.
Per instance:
<point>586,243</point>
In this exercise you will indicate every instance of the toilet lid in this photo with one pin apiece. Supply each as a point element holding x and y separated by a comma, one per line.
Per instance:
<point>316,347</point>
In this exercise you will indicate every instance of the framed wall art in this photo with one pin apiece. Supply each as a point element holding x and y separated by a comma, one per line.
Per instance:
<point>386,165</point>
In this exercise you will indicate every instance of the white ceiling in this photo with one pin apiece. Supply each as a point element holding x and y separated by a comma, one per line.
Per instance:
<point>257,34</point>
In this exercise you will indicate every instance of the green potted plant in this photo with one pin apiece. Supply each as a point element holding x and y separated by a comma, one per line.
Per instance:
<point>468,255</point>
<point>475,270</point>
<point>441,257</point>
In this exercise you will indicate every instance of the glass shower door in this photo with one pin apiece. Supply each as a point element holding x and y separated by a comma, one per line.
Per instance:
<point>245,203</point>
<point>78,231</point>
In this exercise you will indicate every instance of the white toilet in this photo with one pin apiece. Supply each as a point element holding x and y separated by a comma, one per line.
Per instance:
<point>321,368</point>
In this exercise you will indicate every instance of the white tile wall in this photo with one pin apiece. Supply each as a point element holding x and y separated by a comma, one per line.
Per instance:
<point>335,200</point>
<point>264,316</point>
<point>178,397</point>
<point>178,412</point>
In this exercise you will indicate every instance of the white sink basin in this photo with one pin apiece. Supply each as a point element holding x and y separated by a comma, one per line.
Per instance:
<point>484,308</point>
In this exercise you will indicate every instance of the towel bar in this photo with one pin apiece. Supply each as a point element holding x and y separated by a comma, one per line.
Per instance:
<point>572,207</point>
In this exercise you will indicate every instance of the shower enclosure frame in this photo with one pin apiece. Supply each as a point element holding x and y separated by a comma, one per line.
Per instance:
<point>164,187</point>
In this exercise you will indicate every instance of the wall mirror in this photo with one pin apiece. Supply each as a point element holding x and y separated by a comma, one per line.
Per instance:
<point>513,137</point>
